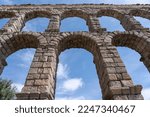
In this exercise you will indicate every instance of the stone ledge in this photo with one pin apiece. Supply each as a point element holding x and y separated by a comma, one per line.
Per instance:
<point>124,91</point>
<point>34,96</point>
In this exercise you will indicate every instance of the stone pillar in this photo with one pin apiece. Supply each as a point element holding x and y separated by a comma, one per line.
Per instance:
<point>40,82</point>
<point>145,54</point>
<point>115,82</point>
<point>94,25</point>
<point>130,23</point>
<point>15,24</point>
<point>54,24</point>
<point>146,62</point>
<point>3,63</point>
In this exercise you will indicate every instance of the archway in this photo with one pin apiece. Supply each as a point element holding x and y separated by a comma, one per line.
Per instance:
<point>144,21</point>
<point>135,41</point>
<point>75,24</point>
<point>33,25</point>
<point>135,68</point>
<point>17,68</point>
<point>76,76</point>
<point>111,24</point>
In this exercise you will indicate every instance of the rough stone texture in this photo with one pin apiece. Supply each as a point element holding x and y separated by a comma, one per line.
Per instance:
<point>115,82</point>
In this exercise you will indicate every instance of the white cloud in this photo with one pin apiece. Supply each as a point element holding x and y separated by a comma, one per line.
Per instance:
<point>67,83</point>
<point>26,58</point>
<point>71,98</point>
<point>18,86</point>
<point>72,84</point>
<point>62,72</point>
<point>29,27</point>
<point>146,93</point>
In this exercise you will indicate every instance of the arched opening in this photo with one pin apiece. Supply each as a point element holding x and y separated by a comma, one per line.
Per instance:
<point>144,21</point>
<point>73,24</point>
<point>140,13</point>
<point>17,68</point>
<point>85,41</point>
<point>36,25</point>
<point>6,19</point>
<point>21,59</point>
<point>136,69</point>
<point>111,24</point>
<point>76,76</point>
<point>17,42</point>
<point>131,58</point>
<point>3,21</point>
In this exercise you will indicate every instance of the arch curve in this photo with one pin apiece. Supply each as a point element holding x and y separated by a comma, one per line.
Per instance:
<point>111,13</point>
<point>74,13</point>
<point>131,39</point>
<point>13,43</point>
<point>136,41</point>
<point>37,13</point>
<point>7,14</point>
<point>77,40</point>
<point>141,13</point>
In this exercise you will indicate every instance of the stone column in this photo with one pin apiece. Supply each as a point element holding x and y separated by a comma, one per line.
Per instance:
<point>146,61</point>
<point>3,63</point>
<point>130,23</point>
<point>40,82</point>
<point>15,24</point>
<point>94,25</point>
<point>145,54</point>
<point>54,24</point>
<point>115,82</point>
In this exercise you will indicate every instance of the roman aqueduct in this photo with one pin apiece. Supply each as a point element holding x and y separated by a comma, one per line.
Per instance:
<point>115,82</point>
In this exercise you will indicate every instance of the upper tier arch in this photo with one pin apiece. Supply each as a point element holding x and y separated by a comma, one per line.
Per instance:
<point>141,13</point>
<point>74,13</point>
<point>7,14</point>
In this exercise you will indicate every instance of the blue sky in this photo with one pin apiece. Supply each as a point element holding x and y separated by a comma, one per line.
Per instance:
<point>76,74</point>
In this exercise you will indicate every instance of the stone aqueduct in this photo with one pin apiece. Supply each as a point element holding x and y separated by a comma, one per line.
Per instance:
<point>114,80</point>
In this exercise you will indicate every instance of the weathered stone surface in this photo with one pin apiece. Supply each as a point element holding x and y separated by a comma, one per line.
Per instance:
<point>115,84</point>
<point>41,82</point>
<point>135,97</point>
<point>127,83</point>
<point>114,80</point>
<point>120,97</point>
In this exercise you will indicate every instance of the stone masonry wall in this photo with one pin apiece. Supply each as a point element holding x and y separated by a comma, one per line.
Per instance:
<point>115,82</point>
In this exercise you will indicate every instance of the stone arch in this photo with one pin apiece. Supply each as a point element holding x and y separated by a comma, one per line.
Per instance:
<point>77,40</point>
<point>34,14</point>
<point>80,40</point>
<point>111,24</point>
<point>9,44</point>
<point>103,59</point>
<point>74,13</point>
<point>7,14</point>
<point>111,12</point>
<point>125,20</point>
<point>12,43</point>
<point>141,13</point>
<point>37,13</point>
<point>136,41</point>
